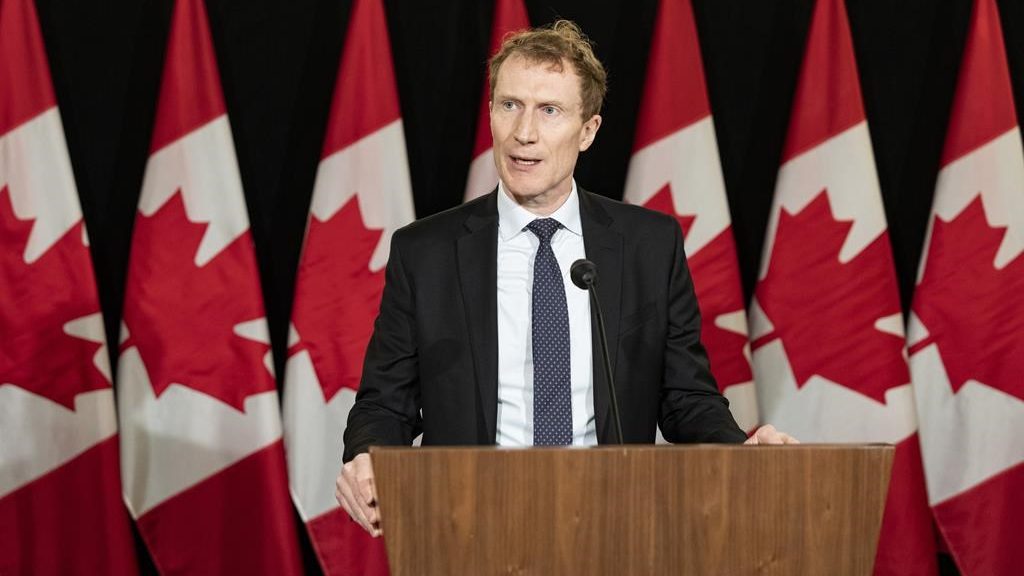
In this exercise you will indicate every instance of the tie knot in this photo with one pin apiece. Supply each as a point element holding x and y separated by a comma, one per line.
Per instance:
<point>544,228</point>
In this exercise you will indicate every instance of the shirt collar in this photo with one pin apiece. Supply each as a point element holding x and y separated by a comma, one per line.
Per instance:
<point>513,218</point>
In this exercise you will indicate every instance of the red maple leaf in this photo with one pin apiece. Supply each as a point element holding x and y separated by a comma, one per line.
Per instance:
<point>972,310</point>
<point>337,297</point>
<point>825,311</point>
<point>182,317</point>
<point>36,301</point>
<point>716,280</point>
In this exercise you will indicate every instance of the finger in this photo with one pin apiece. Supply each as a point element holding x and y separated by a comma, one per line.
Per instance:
<point>351,505</point>
<point>351,473</point>
<point>368,490</point>
<point>363,471</point>
<point>369,514</point>
<point>348,503</point>
<point>345,506</point>
<point>337,490</point>
<point>372,485</point>
<point>769,435</point>
<point>367,509</point>
<point>349,500</point>
<point>339,495</point>
<point>372,514</point>
<point>359,517</point>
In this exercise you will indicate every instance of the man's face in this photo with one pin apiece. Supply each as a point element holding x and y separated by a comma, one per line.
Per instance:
<point>538,130</point>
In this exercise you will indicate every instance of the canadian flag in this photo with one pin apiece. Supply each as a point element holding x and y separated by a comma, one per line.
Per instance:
<point>826,323</point>
<point>361,195</point>
<point>966,331</point>
<point>60,495</point>
<point>202,457</point>
<point>509,16</point>
<point>675,169</point>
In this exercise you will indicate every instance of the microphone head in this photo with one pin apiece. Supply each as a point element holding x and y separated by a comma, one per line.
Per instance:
<point>583,273</point>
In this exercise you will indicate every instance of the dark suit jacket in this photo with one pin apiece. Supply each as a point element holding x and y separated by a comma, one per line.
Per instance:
<point>435,343</point>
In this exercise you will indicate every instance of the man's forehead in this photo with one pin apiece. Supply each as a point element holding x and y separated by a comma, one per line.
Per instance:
<point>558,73</point>
<point>531,61</point>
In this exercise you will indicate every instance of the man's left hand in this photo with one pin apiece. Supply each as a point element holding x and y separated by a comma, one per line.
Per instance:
<point>767,434</point>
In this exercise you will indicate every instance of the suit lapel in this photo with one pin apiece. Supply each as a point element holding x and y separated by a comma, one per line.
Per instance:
<point>604,248</point>
<point>478,276</point>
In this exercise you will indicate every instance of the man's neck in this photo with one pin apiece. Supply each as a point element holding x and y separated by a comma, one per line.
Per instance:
<point>542,205</point>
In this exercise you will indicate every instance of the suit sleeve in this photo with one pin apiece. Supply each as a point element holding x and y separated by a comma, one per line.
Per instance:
<point>692,409</point>
<point>387,406</point>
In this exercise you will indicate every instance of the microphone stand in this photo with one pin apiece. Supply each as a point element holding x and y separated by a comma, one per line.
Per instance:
<point>607,362</point>
<point>584,275</point>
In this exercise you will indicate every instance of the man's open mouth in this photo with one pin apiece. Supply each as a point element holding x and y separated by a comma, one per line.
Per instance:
<point>522,161</point>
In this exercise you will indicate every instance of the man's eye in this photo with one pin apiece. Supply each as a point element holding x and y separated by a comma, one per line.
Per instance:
<point>508,105</point>
<point>549,110</point>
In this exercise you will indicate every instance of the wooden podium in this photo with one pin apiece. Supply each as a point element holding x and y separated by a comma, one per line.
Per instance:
<point>630,510</point>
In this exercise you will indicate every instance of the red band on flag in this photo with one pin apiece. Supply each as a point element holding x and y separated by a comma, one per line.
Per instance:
<point>78,521</point>
<point>983,91</point>
<point>675,95</point>
<point>238,521</point>
<point>190,91</point>
<point>828,99</point>
<point>24,72</point>
<point>372,100</point>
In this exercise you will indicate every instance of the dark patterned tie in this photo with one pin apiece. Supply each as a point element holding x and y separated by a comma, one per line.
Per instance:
<point>552,402</point>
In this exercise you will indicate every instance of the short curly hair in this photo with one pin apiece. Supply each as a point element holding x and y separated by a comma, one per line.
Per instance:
<point>554,44</point>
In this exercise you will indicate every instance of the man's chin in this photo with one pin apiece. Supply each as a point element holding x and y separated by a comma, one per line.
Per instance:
<point>521,193</point>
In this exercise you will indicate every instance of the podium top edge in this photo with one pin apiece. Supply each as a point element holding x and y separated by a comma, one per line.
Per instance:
<point>825,447</point>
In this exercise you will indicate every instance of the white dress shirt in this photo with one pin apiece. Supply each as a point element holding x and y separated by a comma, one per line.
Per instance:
<point>517,249</point>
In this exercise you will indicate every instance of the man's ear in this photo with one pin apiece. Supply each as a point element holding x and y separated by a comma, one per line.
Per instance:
<point>589,132</point>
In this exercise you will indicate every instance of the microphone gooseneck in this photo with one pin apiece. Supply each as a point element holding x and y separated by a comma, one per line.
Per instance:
<point>584,275</point>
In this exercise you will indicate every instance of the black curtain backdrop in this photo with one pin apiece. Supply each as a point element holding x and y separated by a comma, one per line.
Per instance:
<point>279,59</point>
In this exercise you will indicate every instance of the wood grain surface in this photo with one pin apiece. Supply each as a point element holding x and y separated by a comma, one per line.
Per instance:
<point>807,509</point>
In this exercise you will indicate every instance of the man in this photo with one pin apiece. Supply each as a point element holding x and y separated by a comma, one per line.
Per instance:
<point>483,339</point>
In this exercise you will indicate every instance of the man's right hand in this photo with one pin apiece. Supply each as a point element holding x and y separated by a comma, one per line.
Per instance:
<point>357,493</point>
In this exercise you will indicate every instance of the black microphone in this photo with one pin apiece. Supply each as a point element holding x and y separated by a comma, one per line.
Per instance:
<point>584,275</point>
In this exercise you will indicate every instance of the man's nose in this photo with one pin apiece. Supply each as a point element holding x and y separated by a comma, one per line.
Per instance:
<point>526,128</point>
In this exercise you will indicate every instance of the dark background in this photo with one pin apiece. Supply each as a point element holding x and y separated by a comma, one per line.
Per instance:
<point>279,60</point>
